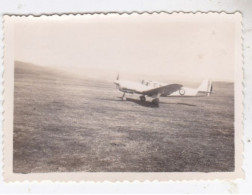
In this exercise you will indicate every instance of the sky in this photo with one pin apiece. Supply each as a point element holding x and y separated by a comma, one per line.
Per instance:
<point>158,46</point>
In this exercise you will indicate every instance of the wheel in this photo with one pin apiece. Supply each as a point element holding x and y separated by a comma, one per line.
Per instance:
<point>142,98</point>
<point>124,98</point>
<point>156,102</point>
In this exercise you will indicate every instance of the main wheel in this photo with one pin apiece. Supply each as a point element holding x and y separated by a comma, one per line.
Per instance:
<point>156,102</point>
<point>142,98</point>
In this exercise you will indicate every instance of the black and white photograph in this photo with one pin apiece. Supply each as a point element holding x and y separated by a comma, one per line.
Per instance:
<point>131,93</point>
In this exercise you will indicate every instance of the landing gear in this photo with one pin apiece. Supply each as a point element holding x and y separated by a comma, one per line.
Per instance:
<point>156,102</point>
<point>142,98</point>
<point>123,97</point>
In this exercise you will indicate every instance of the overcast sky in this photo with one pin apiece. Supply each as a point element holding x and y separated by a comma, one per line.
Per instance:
<point>184,46</point>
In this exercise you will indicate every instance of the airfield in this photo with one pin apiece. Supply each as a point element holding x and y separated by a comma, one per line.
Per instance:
<point>64,123</point>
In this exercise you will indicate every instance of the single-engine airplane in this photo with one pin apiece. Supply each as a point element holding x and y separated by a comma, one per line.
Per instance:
<point>156,89</point>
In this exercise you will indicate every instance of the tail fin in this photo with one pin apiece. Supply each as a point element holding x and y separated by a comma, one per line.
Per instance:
<point>118,76</point>
<point>206,87</point>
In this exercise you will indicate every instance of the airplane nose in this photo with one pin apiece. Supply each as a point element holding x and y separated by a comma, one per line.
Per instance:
<point>117,84</point>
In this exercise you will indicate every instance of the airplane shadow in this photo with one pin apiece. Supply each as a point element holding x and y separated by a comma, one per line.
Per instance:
<point>145,104</point>
<point>139,102</point>
<point>150,104</point>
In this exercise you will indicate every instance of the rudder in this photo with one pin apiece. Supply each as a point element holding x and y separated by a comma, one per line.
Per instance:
<point>205,87</point>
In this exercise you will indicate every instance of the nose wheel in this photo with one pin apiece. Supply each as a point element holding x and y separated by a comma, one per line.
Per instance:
<point>142,98</point>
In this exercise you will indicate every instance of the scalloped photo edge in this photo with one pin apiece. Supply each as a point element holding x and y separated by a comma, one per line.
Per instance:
<point>12,50</point>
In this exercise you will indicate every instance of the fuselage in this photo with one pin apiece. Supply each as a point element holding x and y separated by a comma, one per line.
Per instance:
<point>139,87</point>
<point>133,86</point>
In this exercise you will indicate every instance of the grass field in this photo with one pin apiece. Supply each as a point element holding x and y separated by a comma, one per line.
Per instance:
<point>64,123</point>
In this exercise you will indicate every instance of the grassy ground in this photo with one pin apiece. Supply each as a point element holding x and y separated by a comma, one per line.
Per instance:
<point>64,123</point>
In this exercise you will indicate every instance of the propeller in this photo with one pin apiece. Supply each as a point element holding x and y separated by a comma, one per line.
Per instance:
<point>117,81</point>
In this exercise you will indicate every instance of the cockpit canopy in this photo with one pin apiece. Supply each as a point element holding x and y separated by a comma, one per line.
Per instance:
<point>151,83</point>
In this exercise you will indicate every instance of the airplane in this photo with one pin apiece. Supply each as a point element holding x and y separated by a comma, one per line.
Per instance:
<point>157,89</point>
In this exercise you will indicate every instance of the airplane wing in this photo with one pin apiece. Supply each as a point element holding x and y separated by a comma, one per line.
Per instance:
<point>164,90</point>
